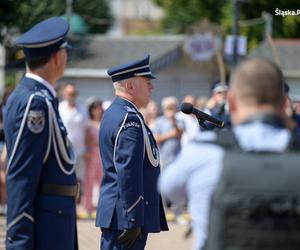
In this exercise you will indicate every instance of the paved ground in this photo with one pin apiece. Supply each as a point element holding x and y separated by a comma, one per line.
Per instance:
<point>2,232</point>
<point>172,240</point>
<point>89,237</point>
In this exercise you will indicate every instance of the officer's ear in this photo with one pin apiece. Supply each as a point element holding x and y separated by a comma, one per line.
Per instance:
<point>56,58</point>
<point>129,85</point>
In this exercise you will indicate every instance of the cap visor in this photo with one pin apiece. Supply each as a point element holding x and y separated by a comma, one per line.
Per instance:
<point>151,76</point>
<point>66,45</point>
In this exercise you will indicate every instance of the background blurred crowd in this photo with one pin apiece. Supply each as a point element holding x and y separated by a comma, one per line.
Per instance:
<point>172,130</point>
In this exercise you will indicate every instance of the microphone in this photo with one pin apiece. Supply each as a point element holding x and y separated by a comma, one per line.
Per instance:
<point>188,109</point>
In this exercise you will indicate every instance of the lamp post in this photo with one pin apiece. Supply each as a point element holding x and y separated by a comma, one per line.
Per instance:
<point>69,10</point>
<point>235,29</point>
<point>268,18</point>
<point>235,32</point>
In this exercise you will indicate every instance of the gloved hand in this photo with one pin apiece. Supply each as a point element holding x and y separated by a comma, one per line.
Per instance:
<point>128,237</point>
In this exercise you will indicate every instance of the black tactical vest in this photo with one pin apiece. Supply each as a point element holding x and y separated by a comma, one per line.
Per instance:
<point>256,203</point>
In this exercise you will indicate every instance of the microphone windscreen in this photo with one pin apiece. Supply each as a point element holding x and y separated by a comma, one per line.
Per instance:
<point>186,108</point>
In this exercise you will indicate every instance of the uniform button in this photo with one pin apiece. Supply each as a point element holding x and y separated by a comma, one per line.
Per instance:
<point>59,212</point>
<point>147,203</point>
<point>132,220</point>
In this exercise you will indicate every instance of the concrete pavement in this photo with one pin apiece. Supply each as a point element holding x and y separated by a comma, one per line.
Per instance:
<point>89,237</point>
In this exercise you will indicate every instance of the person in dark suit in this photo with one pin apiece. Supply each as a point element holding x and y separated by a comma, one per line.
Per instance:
<point>41,183</point>
<point>129,206</point>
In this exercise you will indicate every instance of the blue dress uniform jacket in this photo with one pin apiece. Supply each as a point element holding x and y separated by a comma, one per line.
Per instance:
<point>37,146</point>
<point>129,196</point>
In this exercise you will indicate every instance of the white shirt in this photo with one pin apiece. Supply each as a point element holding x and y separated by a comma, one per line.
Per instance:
<point>42,81</point>
<point>75,119</point>
<point>191,127</point>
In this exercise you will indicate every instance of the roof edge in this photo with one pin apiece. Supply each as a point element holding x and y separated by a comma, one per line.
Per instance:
<point>291,73</point>
<point>102,73</point>
<point>86,73</point>
<point>134,37</point>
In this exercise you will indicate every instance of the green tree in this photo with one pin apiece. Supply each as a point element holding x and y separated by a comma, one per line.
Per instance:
<point>96,13</point>
<point>182,13</point>
<point>25,13</point>
<point>283,27</point>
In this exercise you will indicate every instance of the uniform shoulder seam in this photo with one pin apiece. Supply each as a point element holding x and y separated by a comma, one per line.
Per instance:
<point>130,109</point>
<point>39,96</point>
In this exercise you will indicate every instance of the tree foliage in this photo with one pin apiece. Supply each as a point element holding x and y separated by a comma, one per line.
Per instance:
<point>182,13</point>
<point>283,27</point>
<point>96,13</point>
<point>25,13</point>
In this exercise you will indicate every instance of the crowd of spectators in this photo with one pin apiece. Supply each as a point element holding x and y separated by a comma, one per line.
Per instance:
<point>172,130</point>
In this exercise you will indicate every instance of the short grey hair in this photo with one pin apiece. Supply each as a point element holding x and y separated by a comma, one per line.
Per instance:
<point>120,85</point>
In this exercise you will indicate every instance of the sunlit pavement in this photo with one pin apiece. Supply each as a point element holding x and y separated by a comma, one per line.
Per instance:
<point>174,239</point>
<point>2,231</point>
<point>89,235</point>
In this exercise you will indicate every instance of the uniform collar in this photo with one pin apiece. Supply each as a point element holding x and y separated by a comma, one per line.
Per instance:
<point>43,82</point>
<point>124,101</point>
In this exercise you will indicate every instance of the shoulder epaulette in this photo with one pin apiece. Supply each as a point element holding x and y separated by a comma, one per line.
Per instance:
<point>129,109</point>
<point>44,93</point>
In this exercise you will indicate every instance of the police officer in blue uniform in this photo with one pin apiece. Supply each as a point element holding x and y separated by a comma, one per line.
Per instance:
<point>129,206</point>
<point>41,184</point>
